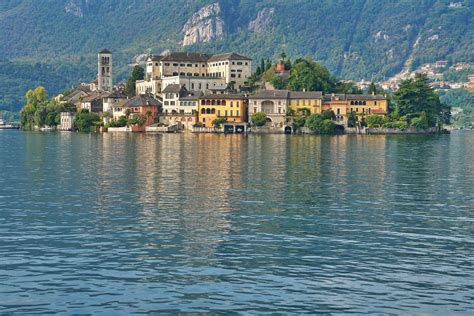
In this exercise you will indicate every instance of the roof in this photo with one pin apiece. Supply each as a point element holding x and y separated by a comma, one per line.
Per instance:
<point>105,51</point>
<point>228,56</point>
<point>173,88</point>
<point>95,96</point>
<point>190,95</point>
<point>155,57</point>
<point>271,94</point>
<point>142,100</point>
<point>365,97</point>
<point>306,95</point>
<point>186,56</point>
<point>222,96</point>
<point>116,95</point>
<point>379,111</point>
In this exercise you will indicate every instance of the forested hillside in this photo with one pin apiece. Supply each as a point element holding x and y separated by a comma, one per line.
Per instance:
<point>54,42</point>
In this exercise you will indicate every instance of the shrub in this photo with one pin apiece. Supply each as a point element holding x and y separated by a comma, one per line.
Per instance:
<point>258,119</point>
<point>328,115</point>
<point>420,122</point>
<point>298,122</point>
<point>375,120</point>
<point>218,121</point>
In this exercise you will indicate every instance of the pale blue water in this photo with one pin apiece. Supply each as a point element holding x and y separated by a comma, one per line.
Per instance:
<point>120,224</point>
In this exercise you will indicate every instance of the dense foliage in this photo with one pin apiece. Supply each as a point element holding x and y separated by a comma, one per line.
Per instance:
<point>40,111</point>
<point>415,98</point>
<point>258,119</point>
<point>86,121</point>
<point>138,73</point>
<point>218,121</point>
<point>357,39</point>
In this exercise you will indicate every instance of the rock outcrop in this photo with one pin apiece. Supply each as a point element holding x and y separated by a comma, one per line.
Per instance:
<point>77,7</point>
<point>204,26</point>
<point>262,20</point>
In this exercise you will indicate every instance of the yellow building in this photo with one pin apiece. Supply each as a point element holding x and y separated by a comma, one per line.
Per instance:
<point>311,100</point>
<point>232,107</point>
<point>361,104</point>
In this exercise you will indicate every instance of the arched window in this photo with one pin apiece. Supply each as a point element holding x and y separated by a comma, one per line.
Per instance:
<point>203,102</point>
<point>213,102</point>
<point>364,103</point>
<point>208,102</point>
<point>223,102</point>
<point>203,111</point>
<point>208,111</point>
<point>352,102</point>
<point>218,102</point>
<point>213,111</point>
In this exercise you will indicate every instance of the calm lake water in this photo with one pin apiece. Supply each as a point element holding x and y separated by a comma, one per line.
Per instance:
<point>118,224</point>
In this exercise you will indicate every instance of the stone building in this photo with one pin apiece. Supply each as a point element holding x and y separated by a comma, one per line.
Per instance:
<point>273,103</point>
<point>104,70</point>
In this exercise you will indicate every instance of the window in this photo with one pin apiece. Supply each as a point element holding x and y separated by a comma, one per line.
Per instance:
<point>196,74</point>
<point>192,86</point>
<point>175,64</point>
<point>166,103</point>
<point>237,104</point>
<point>232,75</point>
<point>237,113</point>
<point>246,63</point>
<point>239,63</point>
<point>189,74</point>
<point>181,65</point>
<point>357,109</point>
<point>338,111</point>
<point>167,64</point>
<point>156,64</point>
<point>375,102</point>
<point>204,120</point>
<point>226,113</point>
<point>363,110</point>
<point>231,104</point>
<point>189,65</point>
<point>172,103</point>
<point>219,113</point>
<point>238,76</point>
<point>231,113</point>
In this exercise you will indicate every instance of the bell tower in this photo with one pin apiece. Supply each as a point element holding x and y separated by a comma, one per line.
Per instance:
<point>104,70</point>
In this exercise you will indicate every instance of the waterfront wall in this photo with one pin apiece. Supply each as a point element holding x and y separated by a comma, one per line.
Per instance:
<point>381,130</point>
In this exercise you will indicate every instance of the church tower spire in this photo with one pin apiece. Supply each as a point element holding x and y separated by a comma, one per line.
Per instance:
<point>104,70</point>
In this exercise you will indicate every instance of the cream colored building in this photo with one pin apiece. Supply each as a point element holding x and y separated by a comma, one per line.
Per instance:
<point>196,71</point>
<point>273,103</point>
<point>177,99</point>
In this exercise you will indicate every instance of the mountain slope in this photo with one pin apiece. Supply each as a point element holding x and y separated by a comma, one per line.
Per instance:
<point>369,39</point>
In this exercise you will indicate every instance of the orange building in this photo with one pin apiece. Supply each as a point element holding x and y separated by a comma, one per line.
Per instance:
<point>139,105</point>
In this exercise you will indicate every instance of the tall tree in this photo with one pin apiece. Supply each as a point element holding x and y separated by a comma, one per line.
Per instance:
<point>138,73</point>
<point>415,96</point>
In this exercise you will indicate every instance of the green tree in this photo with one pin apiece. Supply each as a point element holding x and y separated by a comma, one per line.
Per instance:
<point>319,125</point>
<point>86,121</point>
<point>375,120</point>
<point>137,119</point>
<point>328,115</point>
<point>372,88</point>
<point>415,96</point>
<point>351,119</point>
<point>218,121</point>
<point>258,119</point>
<point>310,76</point>
<point>138,73</point>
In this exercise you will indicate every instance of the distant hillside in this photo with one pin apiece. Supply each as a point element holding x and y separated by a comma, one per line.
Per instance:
<point>54,42</point>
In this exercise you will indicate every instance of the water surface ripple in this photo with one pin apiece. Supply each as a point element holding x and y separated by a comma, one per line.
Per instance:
<point>120,224</point>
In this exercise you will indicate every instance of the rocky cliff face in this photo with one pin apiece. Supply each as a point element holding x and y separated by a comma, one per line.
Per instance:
<point>77,7</point>
<point>204,26</point>
<point>262,20</point>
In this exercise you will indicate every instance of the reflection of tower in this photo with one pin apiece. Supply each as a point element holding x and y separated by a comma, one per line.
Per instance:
<point>104,70</point>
